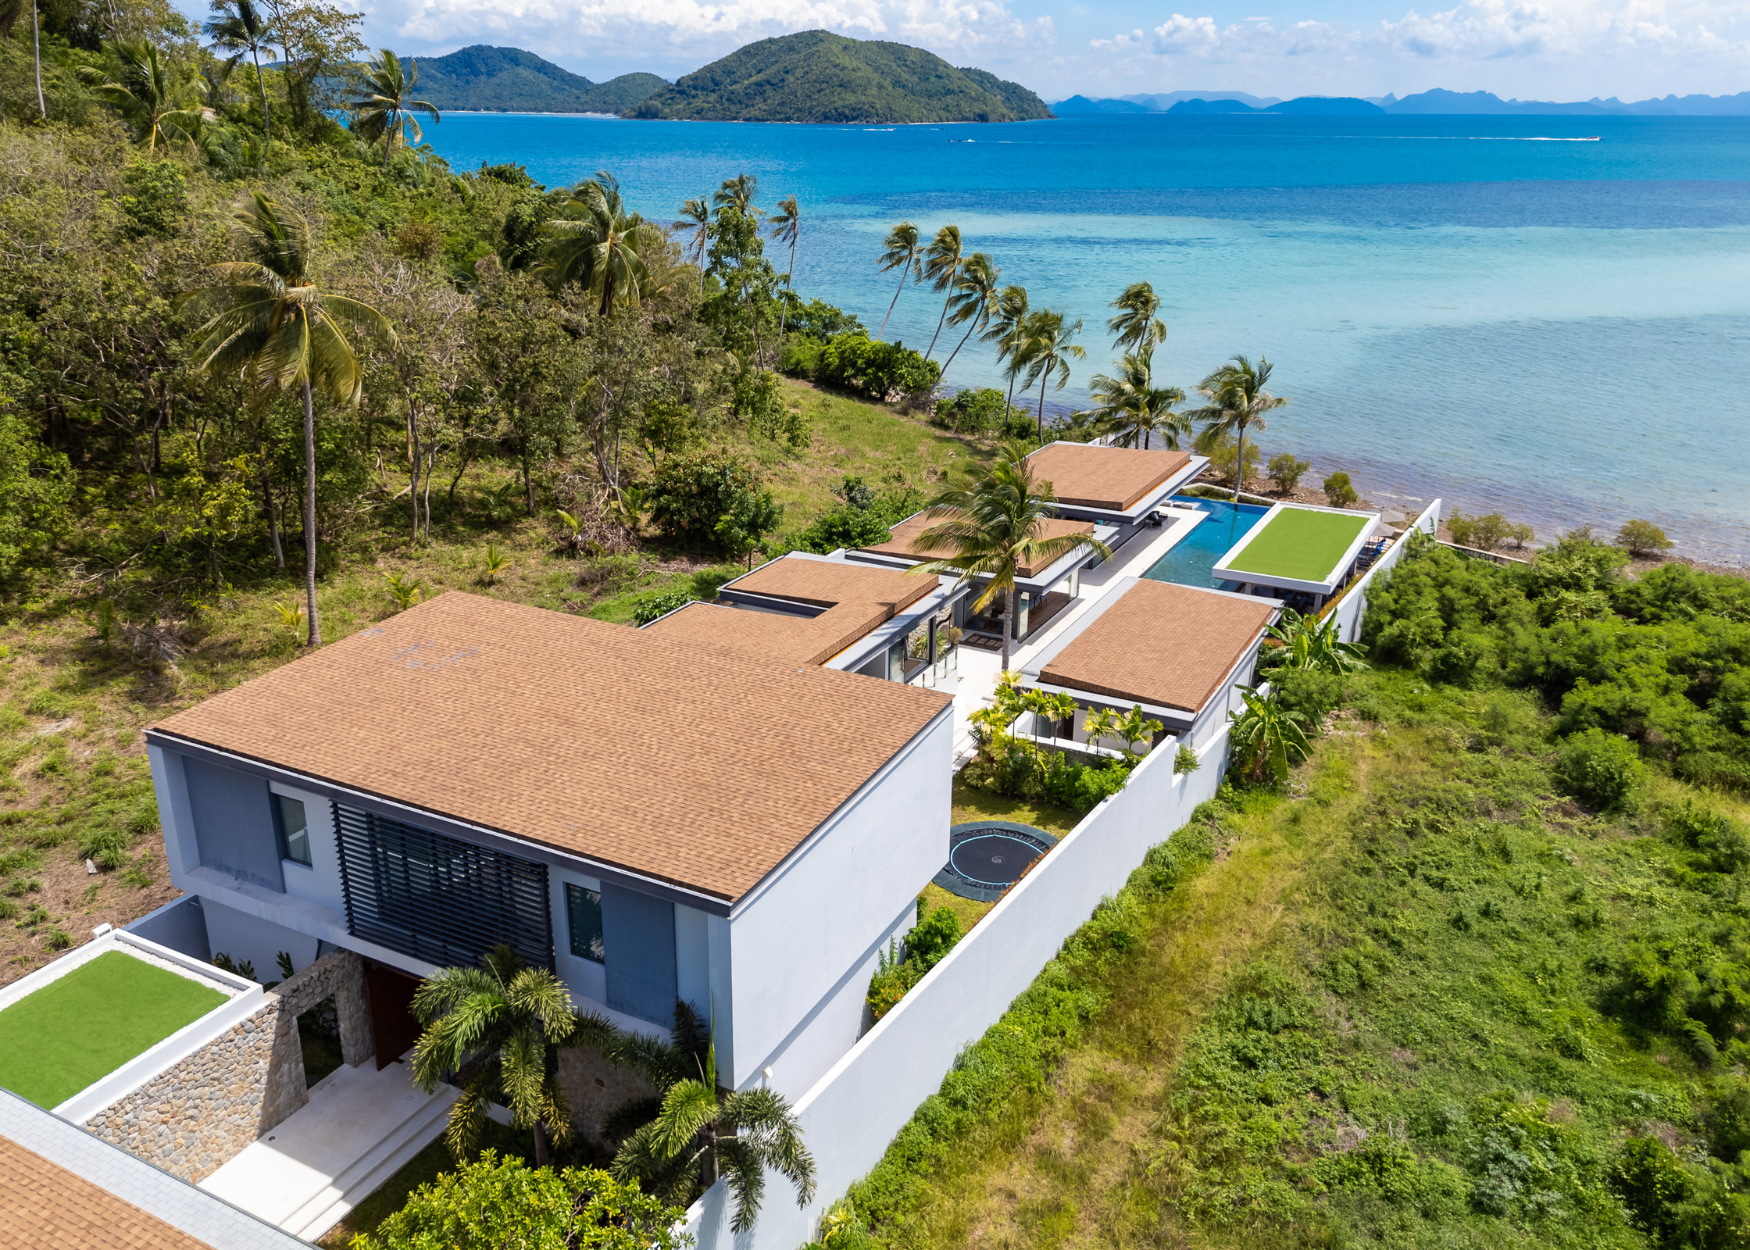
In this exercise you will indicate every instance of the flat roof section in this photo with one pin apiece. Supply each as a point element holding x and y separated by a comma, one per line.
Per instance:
<point>907,532</point>
<point>1114,479</point>
<point>1298,548</point>
<point>600,740</point>
<point>1158,643</point>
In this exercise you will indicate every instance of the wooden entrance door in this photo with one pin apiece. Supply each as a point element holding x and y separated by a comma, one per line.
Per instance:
<point>393,1028</point>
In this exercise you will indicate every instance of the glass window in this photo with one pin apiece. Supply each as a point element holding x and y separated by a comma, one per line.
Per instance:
<point>584,910</point>
<point>294,829</point>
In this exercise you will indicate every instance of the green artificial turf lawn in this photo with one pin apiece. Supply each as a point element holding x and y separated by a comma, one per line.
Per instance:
<point>1299,544</point>
<point>82,1027</point>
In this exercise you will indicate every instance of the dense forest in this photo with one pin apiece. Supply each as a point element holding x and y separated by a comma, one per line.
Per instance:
<point>509,80</point>
<point>816,76</point>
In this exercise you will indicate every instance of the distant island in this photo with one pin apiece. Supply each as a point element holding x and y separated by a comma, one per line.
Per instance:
<point>816,76</point>
<point>510,80</point>
<point>1437,101</point>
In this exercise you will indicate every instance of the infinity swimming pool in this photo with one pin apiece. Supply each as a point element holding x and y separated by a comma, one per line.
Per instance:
<point>1193,557</point>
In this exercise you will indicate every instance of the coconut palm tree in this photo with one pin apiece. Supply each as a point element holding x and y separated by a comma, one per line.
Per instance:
<point>995,528</point>
<point>272,326</point>
<point>1237,402</point>
<point>1009,332</point>
<point>594,242</point>
<point>974,301</point>
<point>738,193</point>
<point>160,103</point>
<point>694,228</point>
<point>387,112</point>
<point>495,1026</point>
<point>943,261</point>
<point>787,228</point>
<point>901,254</point>
<point>1131,406</point>
<point>1046,352</point>
<point>239,28</point>
<point>1137,326</point>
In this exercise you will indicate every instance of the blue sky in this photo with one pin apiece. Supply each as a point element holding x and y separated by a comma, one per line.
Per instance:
<point>1532,49</point>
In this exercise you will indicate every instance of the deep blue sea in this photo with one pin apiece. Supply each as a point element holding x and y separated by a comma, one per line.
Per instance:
<point>1499,311</point>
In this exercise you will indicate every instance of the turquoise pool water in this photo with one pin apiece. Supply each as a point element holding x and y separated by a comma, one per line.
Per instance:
<point>1193,557</point>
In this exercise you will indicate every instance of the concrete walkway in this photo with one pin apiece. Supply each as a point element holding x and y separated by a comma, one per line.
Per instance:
<point>359,1127</point>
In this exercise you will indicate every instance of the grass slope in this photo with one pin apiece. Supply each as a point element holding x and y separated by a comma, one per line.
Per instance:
<point>815,76</point>
<point>1383,1010</point>
<point>1298,543</point>
<point>86,1024</point>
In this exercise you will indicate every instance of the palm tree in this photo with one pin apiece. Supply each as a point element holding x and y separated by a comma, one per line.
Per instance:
<point>1137,326</point>
<point>1237,402</point>
<point>942,264</point>
<point>271,325</point>
<point>596,243</point>
<point>738,193</point>
<point>994,529</point>
<point>695,228</point>
<point>1009,333</point>
<point>10,12</point>
<point>974,301</point>
<point>1134,408</point>
<point>240,28</point>
<point>901,254</point>
<point>787,228</point>
<point>495,1026</point>
<point>1046,353</point>
<point>387,112</point>
<point>156,100</point>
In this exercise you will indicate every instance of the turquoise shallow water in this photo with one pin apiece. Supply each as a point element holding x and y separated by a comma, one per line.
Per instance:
<point>1498,311</point>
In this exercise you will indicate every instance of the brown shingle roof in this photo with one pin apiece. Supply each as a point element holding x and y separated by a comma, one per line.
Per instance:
<point>908,530</point>
<point>1161,643</point>
<point>43,1204</point>
<point>858,599</point>
<point>609,742</point>
<point>1113,478</point>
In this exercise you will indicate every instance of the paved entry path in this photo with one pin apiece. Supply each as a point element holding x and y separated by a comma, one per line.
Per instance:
<point>358,1128</point>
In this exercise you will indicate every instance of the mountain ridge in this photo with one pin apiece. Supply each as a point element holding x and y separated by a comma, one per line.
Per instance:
<point>816,76</point>
<point>482,78</point>
<point>1438,101</point>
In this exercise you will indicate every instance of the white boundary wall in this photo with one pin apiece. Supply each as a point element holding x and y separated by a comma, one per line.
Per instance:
<point>853,1112</point>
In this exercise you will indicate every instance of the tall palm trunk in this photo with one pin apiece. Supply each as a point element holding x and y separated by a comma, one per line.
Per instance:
<point>962,343</point>
<point>36,56</point>
<point>310,515</point>
<point>1043,378</point>
<point>1239,462</point>
<point>262,83</point>
<point>1008,626</point>
<point>784,308</point>
<point>940,322</point>
<point>904,272</point>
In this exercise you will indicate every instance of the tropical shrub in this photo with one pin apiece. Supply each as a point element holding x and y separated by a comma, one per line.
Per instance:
<point>758,400</point>
<point>692,498</point>
<point>1286,471</point>
<point>979,410</point>
<point>853,361</point>
<point>501,1202</point>
<point>1222,453</point>
<point>1339,491</point>
<point>660,605</point>
<point>862,519</point>
<point>1642,538</point>
<point>896,971</point>
<point>1600,769</point>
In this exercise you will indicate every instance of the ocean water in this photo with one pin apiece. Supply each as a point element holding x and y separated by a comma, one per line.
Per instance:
<point>1549,316</point>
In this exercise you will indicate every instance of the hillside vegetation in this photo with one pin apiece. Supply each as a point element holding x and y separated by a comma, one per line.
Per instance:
<point>509,80</point>
<point>1477,975</point>
<point>816,76</point>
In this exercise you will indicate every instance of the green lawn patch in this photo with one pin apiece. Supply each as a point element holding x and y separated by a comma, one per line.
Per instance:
<point>80,1028</point>
<point>1300,544</point>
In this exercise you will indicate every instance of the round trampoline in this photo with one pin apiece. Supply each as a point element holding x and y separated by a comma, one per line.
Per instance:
<point>986,857</point>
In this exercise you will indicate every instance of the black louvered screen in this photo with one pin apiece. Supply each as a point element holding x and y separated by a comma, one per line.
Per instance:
<point>436,898</point>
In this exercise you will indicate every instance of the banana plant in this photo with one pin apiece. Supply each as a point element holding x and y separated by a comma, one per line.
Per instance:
<point>1308,643</point>
<point>1268,739</point>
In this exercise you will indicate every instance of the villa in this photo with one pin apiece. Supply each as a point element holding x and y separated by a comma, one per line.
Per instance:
<point>1177,652</point>
<point>653,816</point>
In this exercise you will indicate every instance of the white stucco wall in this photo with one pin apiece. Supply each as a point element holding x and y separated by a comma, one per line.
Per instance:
<point>804,943</point>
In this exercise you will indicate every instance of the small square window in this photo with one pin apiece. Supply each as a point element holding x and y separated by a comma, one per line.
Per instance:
<point>294,829</point>
<point>583,909</point>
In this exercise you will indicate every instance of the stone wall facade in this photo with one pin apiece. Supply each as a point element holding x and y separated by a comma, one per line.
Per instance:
<point>204,1110</point>
<point>595,1088</point>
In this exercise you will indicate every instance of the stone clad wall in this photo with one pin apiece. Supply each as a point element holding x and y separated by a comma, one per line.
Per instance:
<point>595,1088</point>
<point>205,1109</point>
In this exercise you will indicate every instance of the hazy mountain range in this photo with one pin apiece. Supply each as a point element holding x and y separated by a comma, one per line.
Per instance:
<point>1437,101</point>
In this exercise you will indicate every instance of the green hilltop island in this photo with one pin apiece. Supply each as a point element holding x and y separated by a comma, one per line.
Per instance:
<point>816,76</point>
<point>509,80</point>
